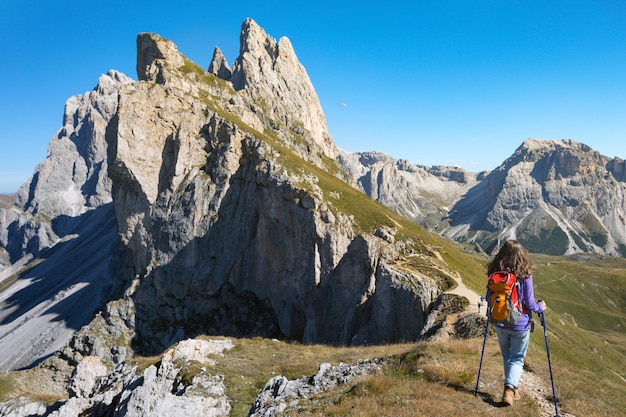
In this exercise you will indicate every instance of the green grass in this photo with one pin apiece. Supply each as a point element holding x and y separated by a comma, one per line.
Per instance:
<point>592,290</point>
<point>193,71</point>
<point>586,321</point>
<point>253,362</point>
<point>423,379</point>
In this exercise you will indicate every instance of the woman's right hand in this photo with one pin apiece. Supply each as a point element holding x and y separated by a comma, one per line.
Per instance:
<point>542,304</point>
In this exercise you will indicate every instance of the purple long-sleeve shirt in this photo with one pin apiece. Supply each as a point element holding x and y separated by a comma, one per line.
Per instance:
<point>526,296</point>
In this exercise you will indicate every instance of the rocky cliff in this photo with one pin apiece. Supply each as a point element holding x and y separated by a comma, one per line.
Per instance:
<point>206,202</point>
<point>71,181</point>
<point>229,221</point>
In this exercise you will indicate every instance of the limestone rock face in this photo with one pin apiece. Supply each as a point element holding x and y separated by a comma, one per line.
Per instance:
<point>422,194</point>
<point>74,177</point>
<point>226,229</point>
<point>182,383</point>
<point>72,180</point>
<point>229,241</point>
<point>153,52</point>
<point>556,197</point>
<point>85,375</point>
<point>282,396</point>
<point>219,66</point>
<point>270,70</point>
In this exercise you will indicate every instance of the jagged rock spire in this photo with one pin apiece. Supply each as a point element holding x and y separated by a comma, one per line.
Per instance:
<point>271,70</point>
<point>219,66</point>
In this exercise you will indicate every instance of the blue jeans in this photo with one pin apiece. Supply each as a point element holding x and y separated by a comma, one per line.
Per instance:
<point>513,346</point>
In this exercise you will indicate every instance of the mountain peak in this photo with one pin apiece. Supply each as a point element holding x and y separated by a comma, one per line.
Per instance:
<point>533,144</point>
<point>270,72</point>
<point>219,66</point>
<point>266,74</point>
<point>152,52</point>
<point>561,157</point>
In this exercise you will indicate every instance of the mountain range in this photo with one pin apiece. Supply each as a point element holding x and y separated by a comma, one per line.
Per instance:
<point>215,202</point>
<point>557,197</point>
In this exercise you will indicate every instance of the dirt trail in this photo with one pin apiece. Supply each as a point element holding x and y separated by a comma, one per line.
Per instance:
<point>472,296</point>
<point>540,391</point>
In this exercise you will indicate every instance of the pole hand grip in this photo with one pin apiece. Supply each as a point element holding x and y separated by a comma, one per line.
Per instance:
<point>540,300</point>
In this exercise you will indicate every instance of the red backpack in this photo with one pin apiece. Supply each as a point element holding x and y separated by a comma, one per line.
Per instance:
<point>504,304</point>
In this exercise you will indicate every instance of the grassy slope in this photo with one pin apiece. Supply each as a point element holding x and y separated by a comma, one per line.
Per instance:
<point>587,319</point>
<point>433,379</point>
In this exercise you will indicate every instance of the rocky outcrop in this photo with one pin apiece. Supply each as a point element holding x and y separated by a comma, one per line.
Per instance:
<point>281,395</point>
<point>230,233</point>
<point>272,76</point>
<point>219,65</point>
<point>181,383</point>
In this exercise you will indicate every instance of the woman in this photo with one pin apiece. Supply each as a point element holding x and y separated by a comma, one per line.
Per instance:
<point>514,339</point>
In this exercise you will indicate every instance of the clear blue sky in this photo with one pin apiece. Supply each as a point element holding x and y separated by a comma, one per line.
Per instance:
<point>435,82</point>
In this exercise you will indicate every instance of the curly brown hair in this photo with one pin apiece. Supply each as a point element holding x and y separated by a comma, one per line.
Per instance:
<point>512,255</point>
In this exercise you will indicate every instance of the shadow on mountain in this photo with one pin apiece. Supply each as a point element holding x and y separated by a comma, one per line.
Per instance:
<point>473,207</point>
<point>211,286</point>
<point>79,261</point>
<point>69,284</point>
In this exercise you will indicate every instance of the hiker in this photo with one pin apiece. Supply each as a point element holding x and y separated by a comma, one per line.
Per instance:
<point>514,339</point>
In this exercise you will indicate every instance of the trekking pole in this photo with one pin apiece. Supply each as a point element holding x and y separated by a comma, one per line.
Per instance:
<point>545,336</point>
<point>482,352</point>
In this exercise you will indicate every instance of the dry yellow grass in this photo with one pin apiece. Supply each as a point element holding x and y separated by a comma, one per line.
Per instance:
<point>423,379</point>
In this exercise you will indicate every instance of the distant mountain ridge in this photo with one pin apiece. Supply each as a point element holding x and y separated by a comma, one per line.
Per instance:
<point>555,196</point>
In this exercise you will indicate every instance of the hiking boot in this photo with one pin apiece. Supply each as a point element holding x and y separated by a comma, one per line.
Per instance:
<point>516,394</point>
<point>507,396</point>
